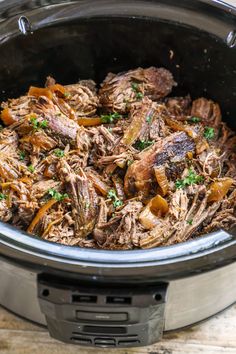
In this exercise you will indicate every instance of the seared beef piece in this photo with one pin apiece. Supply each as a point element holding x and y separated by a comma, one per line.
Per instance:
<point>118,92</point>
<point>83,199</point>
<point>18,108</point>
<point>179,106</point>
<point>223,219</point>
<point>58,123</point>
<point>121,231</point>
<point>141,116</point>
<point>208,111</point>
<point>158,129</point>
<point>8,139</point>
<point>37,141</point>
<point>183,220</point>
<point>82,98</point>
<point>5,211</point>
<point>26,212</point>
<point>170,150</point>
<point>40,188</point>
<point>10,166</point>
<point>103,145</point>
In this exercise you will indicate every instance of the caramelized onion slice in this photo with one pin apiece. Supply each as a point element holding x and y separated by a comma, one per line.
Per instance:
<point>40,214</point>
<point>179,126</point>
<point>6,117</point>
<point>161,179</point>
<point>40,140</point>
<point>58,89</point>
<point>153,211</point>
<point>89,122</point>
<point>148,219</point>
<point>38,91</point>
<point>219,189</point>
<point>98,184</point>
<point>158,206</point>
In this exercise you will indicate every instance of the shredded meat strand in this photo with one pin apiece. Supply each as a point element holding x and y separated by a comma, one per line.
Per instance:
<point>122,166</point>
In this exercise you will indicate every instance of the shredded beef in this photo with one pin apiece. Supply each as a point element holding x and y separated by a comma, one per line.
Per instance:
<point>121,167</point>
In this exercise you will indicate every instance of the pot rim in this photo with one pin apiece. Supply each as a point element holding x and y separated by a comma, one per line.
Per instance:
<point>18,245</point>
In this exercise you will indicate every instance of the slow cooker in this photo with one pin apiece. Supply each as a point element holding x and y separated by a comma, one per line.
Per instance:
<point>118,298</point>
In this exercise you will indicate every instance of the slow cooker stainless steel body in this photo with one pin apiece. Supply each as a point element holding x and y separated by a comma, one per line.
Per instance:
<point>118,298</point>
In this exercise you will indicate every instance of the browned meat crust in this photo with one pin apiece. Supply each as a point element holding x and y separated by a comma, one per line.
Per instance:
<point>174,148</point>
<point>119,91</point>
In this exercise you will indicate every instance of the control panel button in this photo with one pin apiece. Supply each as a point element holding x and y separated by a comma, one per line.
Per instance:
<point>101,316</point>
<point>105,342</point>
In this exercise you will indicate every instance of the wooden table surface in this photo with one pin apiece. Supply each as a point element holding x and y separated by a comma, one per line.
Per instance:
<point>217,335</point>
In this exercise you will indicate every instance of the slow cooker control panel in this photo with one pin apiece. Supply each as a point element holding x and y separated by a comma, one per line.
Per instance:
<point>107,316</point>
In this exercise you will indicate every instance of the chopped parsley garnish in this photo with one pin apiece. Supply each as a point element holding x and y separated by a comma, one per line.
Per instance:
<point>59,153</point>
<point>209,133</point>
<point>3,196</point>
<point>129,162</point>
<point>56,195</point>
<point>43,124</point>
<point>110,118</point>
<point>31,168</point>
<point>149,119</point>
<point>135,88</point>
<point>195,120</point>
<point>191,179</point>
<point>22,155</point>
<point>143,144</point>
<point>190,221</point>
<point>36,124</point>
<point>66,94</point>
<point>116,201</point>
<point>139,95</point>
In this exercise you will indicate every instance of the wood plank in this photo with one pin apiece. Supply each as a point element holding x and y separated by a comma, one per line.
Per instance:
<point>27,342</point>
<point>216,335</point>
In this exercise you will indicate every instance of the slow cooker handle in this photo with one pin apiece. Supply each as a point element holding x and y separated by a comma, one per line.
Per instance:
<point>103,316</point>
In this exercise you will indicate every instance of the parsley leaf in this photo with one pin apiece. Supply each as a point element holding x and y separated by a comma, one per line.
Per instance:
<point>22,155</point>
<point>116,201</point>
<point>110,118</point>
<point>149,119</point>
<point>195,120</point>
<point>56,195</point>
<point>136,89</point>
<point>209,133</point>
<point>36,124</point>
<point>192,178</point>
<point>3,196</point>
<point>190,221</point>
<point>134,86</point>
<point>31,168</point>
<point>59,153</point>
<point>143,144</point>
<point>43,124</point>
<point>129,162</point>
<point>139,95</point>
<point>87,205</point>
